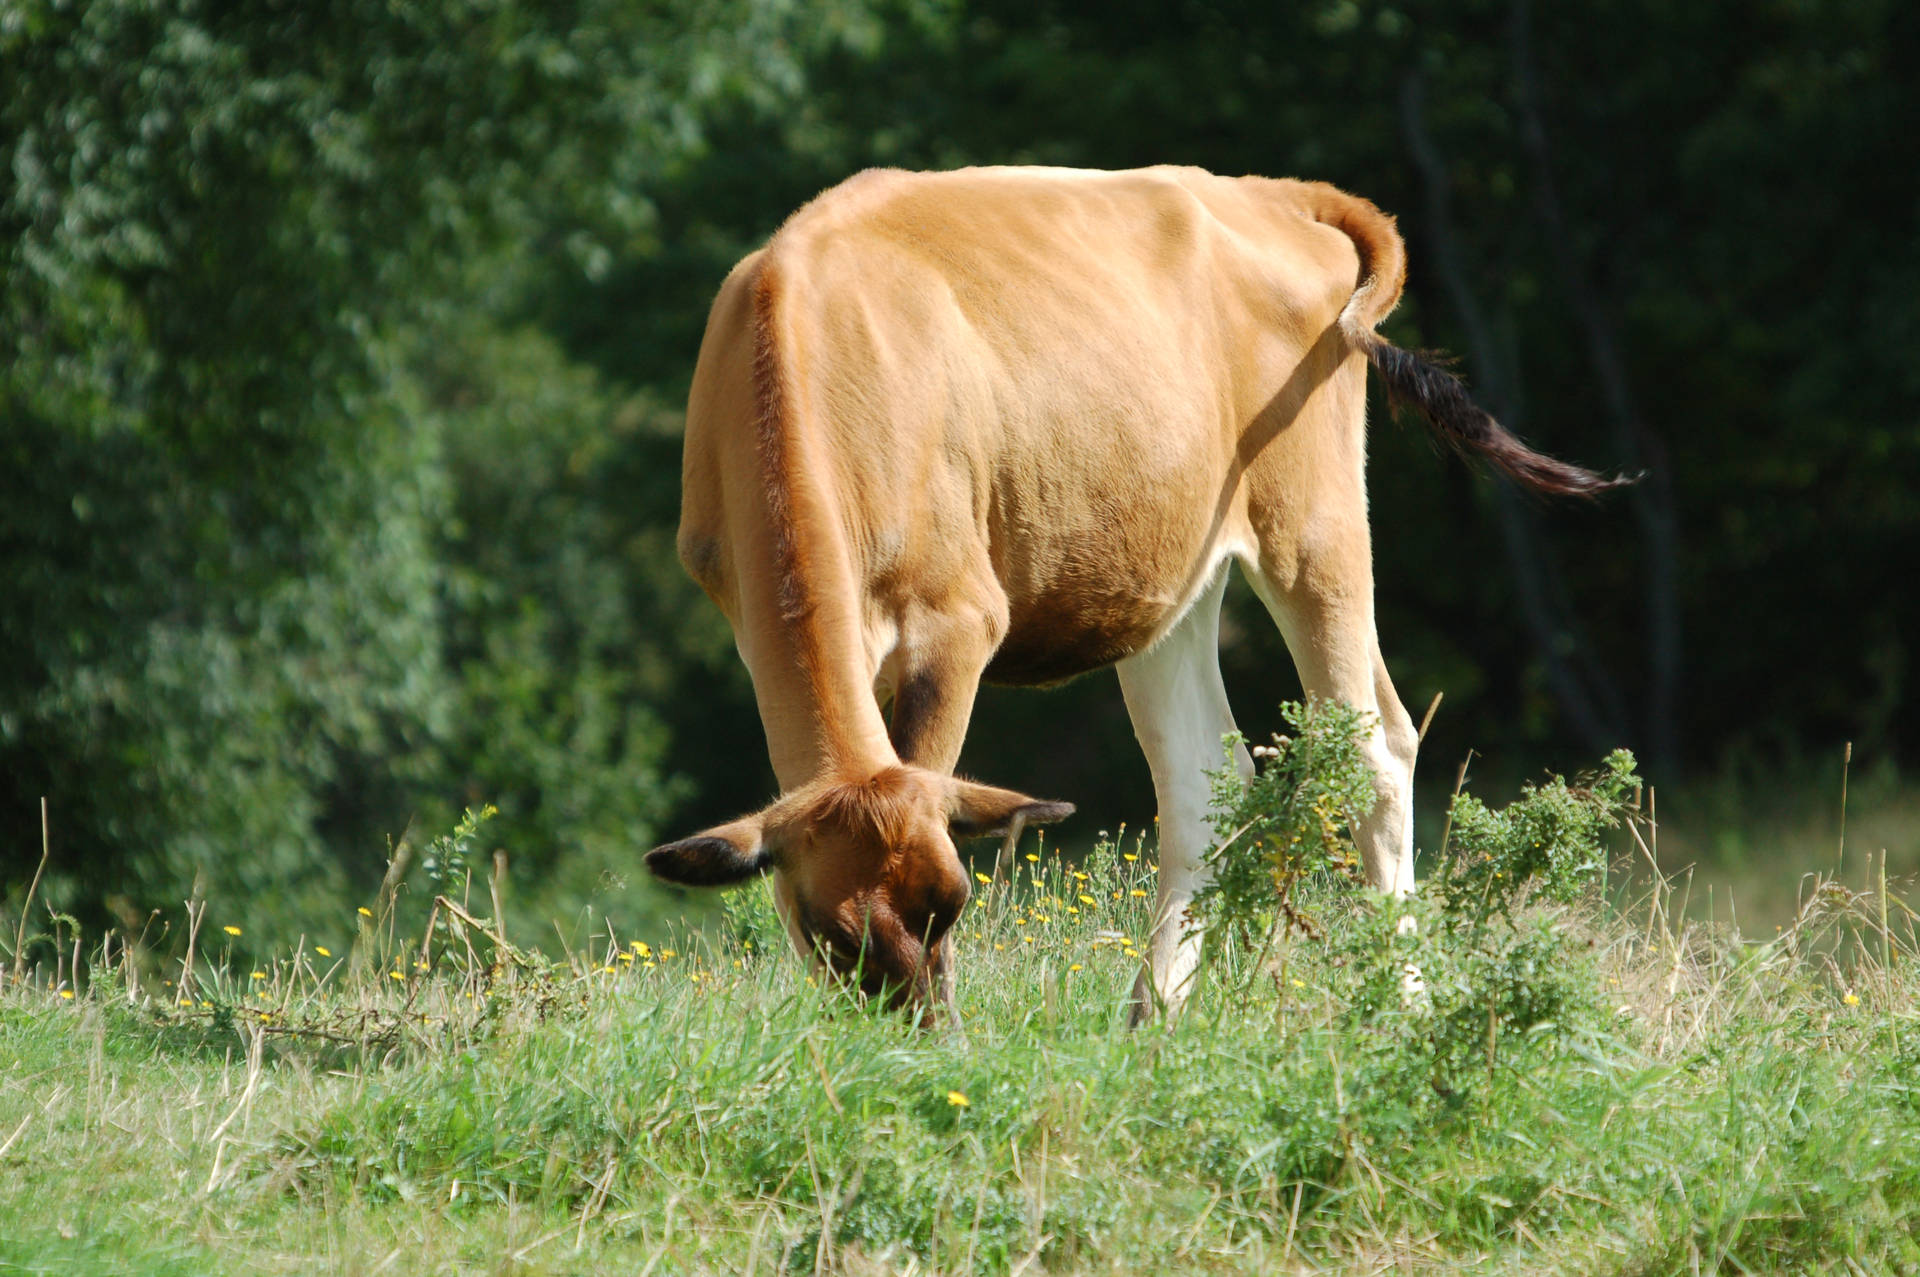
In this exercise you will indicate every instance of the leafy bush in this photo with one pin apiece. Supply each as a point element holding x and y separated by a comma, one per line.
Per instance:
<point>1294,819</point>
<point>1488,980</point>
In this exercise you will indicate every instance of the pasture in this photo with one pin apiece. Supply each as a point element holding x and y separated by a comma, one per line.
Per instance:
<point>1601,1085</point>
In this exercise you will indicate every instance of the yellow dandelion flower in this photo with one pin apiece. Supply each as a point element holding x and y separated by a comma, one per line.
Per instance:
<point>1075,967</point>
<point>396,975</point>
<point>1852,999</point>
<point>1138,892</point>
<point>1028,939</point>
<point>323,951</point>
<point>1072,910</point>
<point>232,931</point>
<point>646,966</point>
<point>67,994</point>
<point>1298,984</point>
<point>998,945</point>
<point>1078,876</point>
<point>364,912</point>
<point>263,994</point>
<point>958,1100</point>
<point>1086,899</point>
<point>625,955</point>
<point>667,953</point>
<point>186,1002</point>
<point>1129,857</point>
<point>640,949</point>
<point>606,971</point>
<point>1033,857</point>
<point>259,975</point>
<point>981,878</point>
<point>1131,953</point>
<point>1041,917</point>
<point>419,964</point>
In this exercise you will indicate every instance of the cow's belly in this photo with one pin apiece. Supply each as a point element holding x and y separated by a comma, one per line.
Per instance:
<point>1061,637</point>
<point>1104,603</point>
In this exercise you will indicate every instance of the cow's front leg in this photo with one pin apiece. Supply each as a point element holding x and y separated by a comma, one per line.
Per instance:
<point>936,679</point>
<point>1179,709</point>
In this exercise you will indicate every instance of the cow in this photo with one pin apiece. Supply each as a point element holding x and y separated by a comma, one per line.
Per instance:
<point>1012,424</point>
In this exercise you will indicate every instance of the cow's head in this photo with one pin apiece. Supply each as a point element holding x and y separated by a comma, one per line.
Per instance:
<point>865,872</point>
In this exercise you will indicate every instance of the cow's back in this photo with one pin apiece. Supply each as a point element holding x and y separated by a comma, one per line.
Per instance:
<point>1030,390</point>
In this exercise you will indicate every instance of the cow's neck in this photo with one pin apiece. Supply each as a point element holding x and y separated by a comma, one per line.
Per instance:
<point>805,644</point>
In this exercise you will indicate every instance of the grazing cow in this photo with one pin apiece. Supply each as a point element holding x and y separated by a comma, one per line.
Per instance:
<point>1011,423</point>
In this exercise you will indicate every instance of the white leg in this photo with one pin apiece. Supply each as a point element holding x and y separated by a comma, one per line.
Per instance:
<point>1179,710</point>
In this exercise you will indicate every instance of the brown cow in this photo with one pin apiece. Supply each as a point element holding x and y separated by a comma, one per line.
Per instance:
<point>1011,423</point>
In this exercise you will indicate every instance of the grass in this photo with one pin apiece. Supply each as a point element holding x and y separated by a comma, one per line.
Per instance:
<point>1756,837</point>
<point>696,1105</point>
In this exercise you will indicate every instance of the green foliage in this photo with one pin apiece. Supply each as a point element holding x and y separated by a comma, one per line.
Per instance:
<point>449,856</point>
<point>279,592</point>
<point>1453,995</point>
<point>752,920</point>
<point>1293,819</point>
<point>1548,844</point>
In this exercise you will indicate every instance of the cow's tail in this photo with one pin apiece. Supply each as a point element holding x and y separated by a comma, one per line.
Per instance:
<point>1421,380</point>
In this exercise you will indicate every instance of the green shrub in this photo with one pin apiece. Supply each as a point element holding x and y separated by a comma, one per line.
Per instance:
<point>1494,976</point>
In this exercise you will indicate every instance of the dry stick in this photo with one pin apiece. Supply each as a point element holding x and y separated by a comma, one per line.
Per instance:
<point>1426,720</point>
<point>1846,765</point>
<point>255,1041</point>
<point>498,937</point>
<point>196,912</point>
<point>426,941</point>
<point>1009,847</point>
<point>1656,905</point>
<point>493,890</point>
<point>1459,783</point>
<point>26,907</point>
<point>596,1200</point>
<point>1886,954</point>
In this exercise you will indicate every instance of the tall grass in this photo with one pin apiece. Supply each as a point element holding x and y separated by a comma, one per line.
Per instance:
<point>439,1099</point>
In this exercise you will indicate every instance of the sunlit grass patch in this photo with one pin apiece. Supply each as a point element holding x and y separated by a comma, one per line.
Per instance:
<point>432,1091</point>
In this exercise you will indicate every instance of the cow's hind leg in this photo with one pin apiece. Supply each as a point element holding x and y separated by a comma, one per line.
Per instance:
<point>1322,601</point>
<point>1179,710</point>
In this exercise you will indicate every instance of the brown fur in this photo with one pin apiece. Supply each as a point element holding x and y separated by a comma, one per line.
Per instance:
<point>1007,423</point>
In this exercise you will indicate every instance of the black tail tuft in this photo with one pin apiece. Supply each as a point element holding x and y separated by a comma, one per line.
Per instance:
<point>1420,381</point>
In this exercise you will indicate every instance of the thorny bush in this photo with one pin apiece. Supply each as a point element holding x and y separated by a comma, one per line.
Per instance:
<point>1496,975</point>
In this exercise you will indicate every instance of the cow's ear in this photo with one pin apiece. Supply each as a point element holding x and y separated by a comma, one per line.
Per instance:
<point>719,857</point>
<point>982,811</point>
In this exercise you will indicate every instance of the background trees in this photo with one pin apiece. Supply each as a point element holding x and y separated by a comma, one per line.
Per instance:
<point>346,344</point>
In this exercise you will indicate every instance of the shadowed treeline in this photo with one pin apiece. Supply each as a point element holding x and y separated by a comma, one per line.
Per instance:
<point>345,348</point>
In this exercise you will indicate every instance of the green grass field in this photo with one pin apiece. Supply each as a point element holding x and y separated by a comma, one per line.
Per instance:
<point>1605,1086</point>
<point>1563,1068</point>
